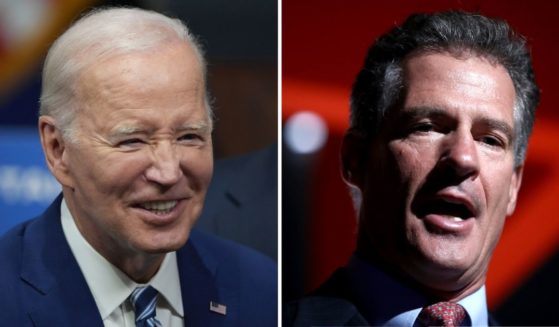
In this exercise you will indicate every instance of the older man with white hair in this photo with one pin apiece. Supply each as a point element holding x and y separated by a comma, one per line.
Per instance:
<point>125,126</point>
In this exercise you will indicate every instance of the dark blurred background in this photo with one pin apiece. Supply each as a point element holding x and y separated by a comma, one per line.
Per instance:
<point>323,48</point>
<point>240,39</point>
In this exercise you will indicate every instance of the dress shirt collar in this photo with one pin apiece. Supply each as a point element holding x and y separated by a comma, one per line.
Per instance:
<point>108,284</point>
<point>394,303</point>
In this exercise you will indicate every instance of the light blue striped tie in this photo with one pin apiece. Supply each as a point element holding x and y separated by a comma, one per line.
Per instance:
<point>144,299</point>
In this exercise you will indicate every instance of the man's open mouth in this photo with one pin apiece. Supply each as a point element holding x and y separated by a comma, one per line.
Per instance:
<point>452,209</point>
<point>447,204</point>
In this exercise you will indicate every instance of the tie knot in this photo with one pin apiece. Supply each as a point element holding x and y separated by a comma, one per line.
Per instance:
<point>447,314</point>
<point>143,300</point>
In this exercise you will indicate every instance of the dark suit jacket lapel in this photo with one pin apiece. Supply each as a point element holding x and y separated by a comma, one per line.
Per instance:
<point>55,290</point>
<point>197,273</point>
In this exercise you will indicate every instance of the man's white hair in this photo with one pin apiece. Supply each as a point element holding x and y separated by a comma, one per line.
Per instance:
<point>101,34</point>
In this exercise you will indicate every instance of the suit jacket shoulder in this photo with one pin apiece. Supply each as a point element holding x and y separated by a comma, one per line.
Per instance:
<point>41,282</point>
<point>321,311</point>
<point>329,305</point>
<point>241,279</point>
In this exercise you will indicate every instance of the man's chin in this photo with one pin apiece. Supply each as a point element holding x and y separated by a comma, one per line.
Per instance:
<point>160,249</point>
<point>446,252</point>
<point>163,245</point>
<point>442,275</point>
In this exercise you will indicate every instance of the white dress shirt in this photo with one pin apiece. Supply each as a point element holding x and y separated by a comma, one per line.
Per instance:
<point>111,287</point>
<point>398,305</point>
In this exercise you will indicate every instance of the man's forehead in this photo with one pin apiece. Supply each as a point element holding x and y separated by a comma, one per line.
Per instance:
<point>166,79</point>
<point>123,65</point>
<point>428,61</point>
<point>468,81</point>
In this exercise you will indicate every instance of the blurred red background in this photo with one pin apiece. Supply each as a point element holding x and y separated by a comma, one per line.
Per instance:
<point>324,44</point>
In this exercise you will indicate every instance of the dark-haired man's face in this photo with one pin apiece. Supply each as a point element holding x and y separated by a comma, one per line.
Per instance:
<point>440,177</point>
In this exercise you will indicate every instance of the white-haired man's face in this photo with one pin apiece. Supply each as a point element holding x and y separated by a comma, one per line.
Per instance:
<point>136,179</point>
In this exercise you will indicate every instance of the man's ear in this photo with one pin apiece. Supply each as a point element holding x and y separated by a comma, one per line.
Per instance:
<point>55,150</point>
<point>354,157</point>
<point>515,183</point>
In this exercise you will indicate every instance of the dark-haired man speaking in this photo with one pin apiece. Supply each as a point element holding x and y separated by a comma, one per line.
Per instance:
<point>441,113</point>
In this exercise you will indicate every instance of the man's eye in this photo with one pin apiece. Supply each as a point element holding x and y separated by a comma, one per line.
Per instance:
<point>492,141</point>
<point>189,137</point>
<point>130,142</point>
<point>422,128</point>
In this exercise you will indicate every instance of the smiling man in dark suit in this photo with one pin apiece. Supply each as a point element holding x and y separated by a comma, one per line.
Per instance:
<point>441,113</point>
<point>125,125</point>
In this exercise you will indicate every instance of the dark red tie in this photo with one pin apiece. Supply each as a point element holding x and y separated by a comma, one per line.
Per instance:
<point>446,314</point>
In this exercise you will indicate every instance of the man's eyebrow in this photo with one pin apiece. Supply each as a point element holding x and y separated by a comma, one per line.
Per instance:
<point>414,113</point>
<point>198,127</point>
<point>126,130</point>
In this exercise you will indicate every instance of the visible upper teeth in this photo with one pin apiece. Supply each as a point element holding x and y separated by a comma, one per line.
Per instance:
<point>457,219</point>
<point>159,205</point>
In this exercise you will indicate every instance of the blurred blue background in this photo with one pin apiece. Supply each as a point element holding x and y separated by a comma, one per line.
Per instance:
<point>26,185</point>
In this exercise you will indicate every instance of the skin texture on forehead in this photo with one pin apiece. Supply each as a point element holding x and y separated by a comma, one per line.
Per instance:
<point>467,81</point>
<point>144,142</point>
<point>102,84</point>
<point>454,145</point>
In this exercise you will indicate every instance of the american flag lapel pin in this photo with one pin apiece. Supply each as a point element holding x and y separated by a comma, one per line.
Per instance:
<point>218,308</point>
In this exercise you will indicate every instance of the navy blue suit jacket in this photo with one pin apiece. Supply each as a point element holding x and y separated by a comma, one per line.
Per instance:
<point>41,283</point>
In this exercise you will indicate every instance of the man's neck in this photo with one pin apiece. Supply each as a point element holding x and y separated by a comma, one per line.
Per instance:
<point>139,267</point>
<point>380,296</point>
<point>450,294</point>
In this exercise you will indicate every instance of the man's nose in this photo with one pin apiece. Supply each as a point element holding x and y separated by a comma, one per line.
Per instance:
<point>459,154</point>
<point>165,165</point>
